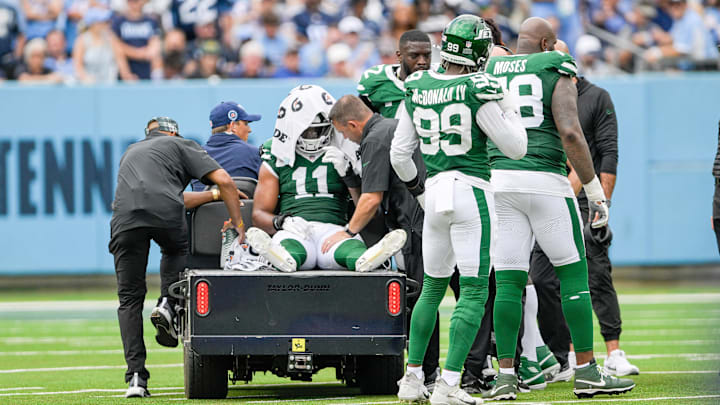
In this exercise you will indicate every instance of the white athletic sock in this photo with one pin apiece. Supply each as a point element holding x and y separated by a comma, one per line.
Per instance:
<point>510,370</point>
<point>532,296</point>
<point>452,378</point>
<point>530,322</point>
<point>417,371</point>
<point>582,365</point>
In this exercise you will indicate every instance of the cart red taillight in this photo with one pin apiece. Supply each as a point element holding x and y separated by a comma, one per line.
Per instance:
<point>202,298</point>
<point>394,298</point>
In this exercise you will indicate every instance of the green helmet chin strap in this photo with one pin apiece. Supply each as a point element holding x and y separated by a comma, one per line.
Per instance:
<point>467,40</point>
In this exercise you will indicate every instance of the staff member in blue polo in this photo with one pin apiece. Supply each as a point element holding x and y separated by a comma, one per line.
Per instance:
<point>228,144</point>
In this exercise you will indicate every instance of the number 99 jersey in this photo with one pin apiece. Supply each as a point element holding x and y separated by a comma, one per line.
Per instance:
<point>443,110</point>
<point>312,190</point>
<point>531,79</point>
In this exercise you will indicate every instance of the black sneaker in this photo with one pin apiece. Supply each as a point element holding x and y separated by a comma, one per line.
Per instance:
<point>163,319</point>
<point>430,380</point>
<point>472,384</point>
<point>137,388</point>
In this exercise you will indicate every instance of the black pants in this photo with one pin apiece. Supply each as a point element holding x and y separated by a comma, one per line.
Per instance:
<point>130,250</point>
<point>482,346</point>
<point>551,321</point>
<point>716,212</point>
<point>414,269</point>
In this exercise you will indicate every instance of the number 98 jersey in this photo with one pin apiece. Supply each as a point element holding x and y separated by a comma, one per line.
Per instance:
<point>312,190</point>
<point>443,110</point>
<point>531,79</point>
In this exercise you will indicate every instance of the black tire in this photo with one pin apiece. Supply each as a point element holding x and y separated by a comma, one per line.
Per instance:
<point>205,376</point>
<point>378,375</point>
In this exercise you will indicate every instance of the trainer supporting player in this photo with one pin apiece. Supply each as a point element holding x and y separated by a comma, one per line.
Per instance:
<point>149,205</point>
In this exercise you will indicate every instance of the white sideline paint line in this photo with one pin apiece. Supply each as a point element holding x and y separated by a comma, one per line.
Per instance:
<point>663,332</point>
<point>285,401</point>
<point>682,372</point>
<point>664,342</point>
<point>21,388</point>
<point>448,302</point>
<point>60,306</point>
<point>686,356</point>
<point>87,390</point>
<point>35,370</point>
<point>559,402</point>
<point>151,395</point>
<point>88,352</point>
<point>14,340</point>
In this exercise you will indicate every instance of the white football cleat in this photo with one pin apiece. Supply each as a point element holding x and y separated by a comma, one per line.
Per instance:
<point>277,255</point>
<point>137,388</point>
<point>443,394</point>
<point>412,389</point>
<point>617,364</point>
<point>378,253</point>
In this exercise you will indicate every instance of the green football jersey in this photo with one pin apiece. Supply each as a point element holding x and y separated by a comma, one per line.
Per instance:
<point>312,190</point>
<point>443,110</point>
<point>532,78</point>
<point>382,87</point>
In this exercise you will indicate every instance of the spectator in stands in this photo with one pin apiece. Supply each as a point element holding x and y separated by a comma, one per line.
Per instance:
<point>207,60</point>
<point>252,62</point>
<point>97,54</point>
<point>228,144</point>
<point>74,12</point>
<point>386,49</point>
<point>590,55</point>
<point>311,23</point>
<point>688,38</point>
<point>372,20</point>
<point>139,37</point>
<point>186,14</point>
<point>177,60</point>
<point>290,66</point>
<point>712,19</point>
<point>34,70</point>
<point>338,56</point>
<point>273,44</point>
<point>41,16</point>
<point>363,53</point>
<point>57,59</point>
<point>403,19</point>
<point>12,37</point>
<point>610,16</point>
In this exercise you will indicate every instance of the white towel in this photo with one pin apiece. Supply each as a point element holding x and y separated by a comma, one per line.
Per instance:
<point>296,113</point>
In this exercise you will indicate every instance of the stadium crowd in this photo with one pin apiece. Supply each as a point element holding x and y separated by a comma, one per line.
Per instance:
<point>102,41</point>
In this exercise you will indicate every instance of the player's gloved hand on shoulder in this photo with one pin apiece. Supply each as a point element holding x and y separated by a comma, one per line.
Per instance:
<point>296,225</point>
<point>341,163</point>
<point>599,212</point>
<point>338,158</point>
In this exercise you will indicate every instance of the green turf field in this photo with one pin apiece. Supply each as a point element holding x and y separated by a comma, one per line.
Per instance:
<point>65,348</point>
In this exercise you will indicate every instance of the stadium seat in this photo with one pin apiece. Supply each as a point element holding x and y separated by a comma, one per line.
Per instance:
<point>205,237</point>
<point>245,184</point>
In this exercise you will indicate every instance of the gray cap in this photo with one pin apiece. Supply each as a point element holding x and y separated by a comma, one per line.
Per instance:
<point>164,124</point>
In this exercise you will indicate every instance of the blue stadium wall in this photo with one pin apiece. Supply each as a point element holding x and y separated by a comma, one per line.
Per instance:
<point>60,148</point>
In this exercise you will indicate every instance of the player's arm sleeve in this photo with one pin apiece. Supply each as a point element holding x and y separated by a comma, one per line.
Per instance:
<point>565,64</point>
<point>606,133</point>
<point>401,150</point>
<point>503,127</point>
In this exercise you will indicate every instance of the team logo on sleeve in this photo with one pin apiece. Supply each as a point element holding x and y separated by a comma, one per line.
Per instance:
<point>232,115</point>
<point>327,98</point>
<point>296,105</point>
<point>305,87</point>
<point>281,112</point>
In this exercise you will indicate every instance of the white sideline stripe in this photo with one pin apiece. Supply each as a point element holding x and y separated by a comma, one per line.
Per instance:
<point>559,402</point>
<point>76,352</point>
<point>663,332</point>
<point>60,306</point>
<point>35,370</point>
<point>664,342</point>
<point>643,299</point>
<point>49,339</point>
<point>21,388</point>
<point>285,401</point>
<point>87,390</point>
<point>682,372</point>
<point>687,356</point>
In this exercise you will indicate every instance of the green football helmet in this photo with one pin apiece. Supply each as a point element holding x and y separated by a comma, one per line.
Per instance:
<point>467,40</point>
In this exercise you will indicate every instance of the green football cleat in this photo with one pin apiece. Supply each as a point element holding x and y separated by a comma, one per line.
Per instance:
<point>591,381</point>
<point>505,388</point>
<point>547,361</point>
<point>532,374</point>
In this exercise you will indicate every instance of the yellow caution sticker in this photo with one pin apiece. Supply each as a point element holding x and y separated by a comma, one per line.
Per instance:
<point>298,345</point>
